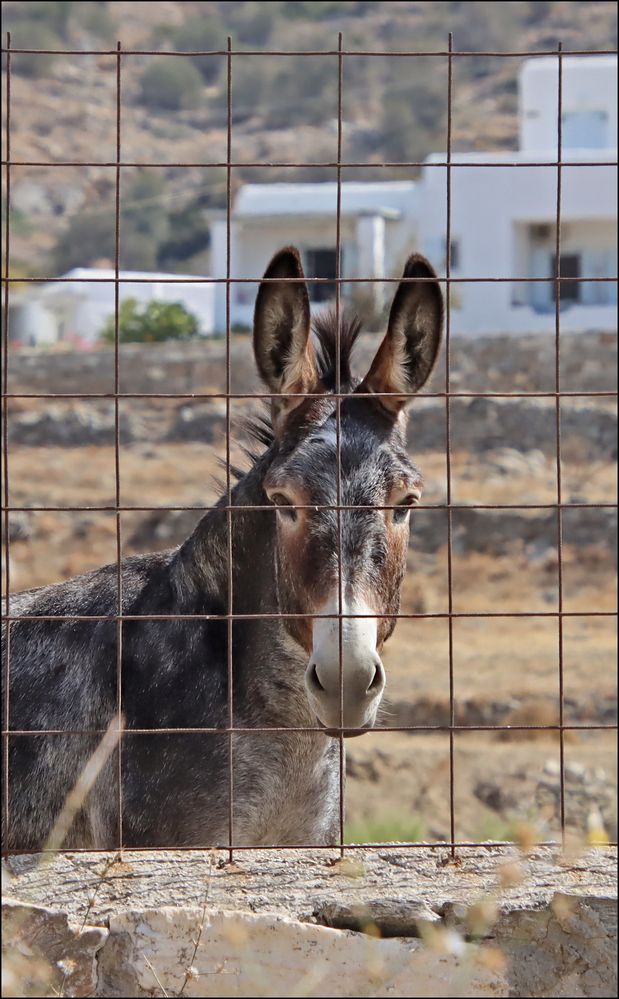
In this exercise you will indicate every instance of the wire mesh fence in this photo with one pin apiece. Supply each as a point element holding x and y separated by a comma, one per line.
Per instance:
<point>339,54</point>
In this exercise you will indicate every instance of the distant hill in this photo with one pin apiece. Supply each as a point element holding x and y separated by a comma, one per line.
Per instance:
<point>284,108</point>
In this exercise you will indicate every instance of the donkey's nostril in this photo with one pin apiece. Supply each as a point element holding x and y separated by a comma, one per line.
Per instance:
<point>313,672</point>
<point>377,679</point>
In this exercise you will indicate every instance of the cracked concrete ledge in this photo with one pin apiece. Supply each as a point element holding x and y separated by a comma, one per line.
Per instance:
<point>296,923</point>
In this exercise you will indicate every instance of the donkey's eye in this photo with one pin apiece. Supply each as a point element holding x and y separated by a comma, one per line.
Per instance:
<point>284,505</point>
<point>401,511</point>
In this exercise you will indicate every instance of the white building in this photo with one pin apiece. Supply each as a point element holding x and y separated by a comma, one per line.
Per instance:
<point>376,222</point>
<point>502,218</point>
<point>75,309</point>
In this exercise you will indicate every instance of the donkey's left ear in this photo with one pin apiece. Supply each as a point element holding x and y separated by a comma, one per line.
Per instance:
<point>408,352</point>
<point>282,342</point>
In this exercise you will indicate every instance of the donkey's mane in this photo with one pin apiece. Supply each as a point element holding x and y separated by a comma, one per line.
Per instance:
<point>325,328</point>
<point>258,426</point>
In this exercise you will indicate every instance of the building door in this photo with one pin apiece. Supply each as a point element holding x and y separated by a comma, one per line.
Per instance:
<point>569,268</point>
<point>321,263</point>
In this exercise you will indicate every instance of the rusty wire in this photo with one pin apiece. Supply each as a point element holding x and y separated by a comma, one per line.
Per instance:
<point>5,441</point>
<point>557,288</point>
<point>230,615</point>
<point>450,634</point>
<point>338,433</point>
<point>119,578</point>
<point>448,164</point>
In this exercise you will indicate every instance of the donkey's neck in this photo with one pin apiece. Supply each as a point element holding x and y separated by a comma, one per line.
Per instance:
<point>203,569</point>
<point>265,658</point>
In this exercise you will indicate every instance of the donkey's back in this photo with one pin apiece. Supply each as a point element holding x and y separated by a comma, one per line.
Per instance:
<point>64,661</point>
<point>61,663</point>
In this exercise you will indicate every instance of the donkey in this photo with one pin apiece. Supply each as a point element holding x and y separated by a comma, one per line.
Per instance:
<point>301,679</point>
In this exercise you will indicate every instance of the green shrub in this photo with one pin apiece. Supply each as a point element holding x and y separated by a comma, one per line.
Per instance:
<point>53,16</point>
<point>142,210</point>
<point>89,237</point>
<point>314,10</point>
<point>198,34</point>
<point>170,84</point>
<point>188,234</point>
<point>253,23</point>
<point>30,35</point>
<point>60,19</point>
<point>97,19</point>
<point>278,91</point>
<point>144,224</point>
<point>150,323</point>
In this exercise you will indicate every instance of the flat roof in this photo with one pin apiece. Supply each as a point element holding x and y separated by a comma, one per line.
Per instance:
<point>525,156</point>
<point>83,273</point>
<point>543,64</point>
<point>358,197</point>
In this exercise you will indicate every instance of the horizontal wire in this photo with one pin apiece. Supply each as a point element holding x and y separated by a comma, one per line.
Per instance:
<point>281,616</point>
<point>602,393</point>
<point>194,508</point>
<point>326,164</point>
<point>262,729</point>
<point>437,53</point>
<point>436,845</point>
<point>190,279</point>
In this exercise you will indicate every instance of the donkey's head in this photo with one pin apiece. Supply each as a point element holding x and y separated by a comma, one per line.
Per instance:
<point>352,561</point>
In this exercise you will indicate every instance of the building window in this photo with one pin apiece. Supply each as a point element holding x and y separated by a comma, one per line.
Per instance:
<point>584,129</point>
<point>440,253</point>
<point>321,263</point>
<point>569,268</point>
<point>454,254</point>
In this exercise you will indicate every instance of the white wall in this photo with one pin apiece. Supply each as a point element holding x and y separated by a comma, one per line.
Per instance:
<point>257,240</point>
<point>589,103</point>
<point>30,323</point>
<point>79,311</point>
<point>489,206</point>
<point>372,247</point>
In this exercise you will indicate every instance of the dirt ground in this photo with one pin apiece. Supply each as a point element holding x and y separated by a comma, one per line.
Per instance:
<point>505,670</point>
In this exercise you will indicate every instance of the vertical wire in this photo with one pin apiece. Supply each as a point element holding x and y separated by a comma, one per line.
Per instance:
<point>338,428</point>
<point>5,432</point>
<point>557,286</point>
<point>119,578</point>
<point>228,472</point>
<point>452,721</point>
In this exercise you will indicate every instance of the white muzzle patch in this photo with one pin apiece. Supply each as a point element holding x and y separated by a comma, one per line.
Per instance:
<point>361,670</point>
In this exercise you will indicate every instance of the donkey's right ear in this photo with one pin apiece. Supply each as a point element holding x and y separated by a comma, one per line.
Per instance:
<point>406,356</point>
<point>282,342</point>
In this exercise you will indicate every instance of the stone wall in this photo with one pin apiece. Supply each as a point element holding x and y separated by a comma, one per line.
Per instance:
<point>478,425</point>
<point>378,923</point>
<point>510,435</point>
<point>487,364</point>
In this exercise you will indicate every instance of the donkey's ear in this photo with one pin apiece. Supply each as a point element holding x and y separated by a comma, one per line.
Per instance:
<point>407,354</point>
<point>282,342</point>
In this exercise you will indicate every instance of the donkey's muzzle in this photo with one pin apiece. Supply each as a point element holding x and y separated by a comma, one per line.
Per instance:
<point>345,678</point>
<point>345,699</point>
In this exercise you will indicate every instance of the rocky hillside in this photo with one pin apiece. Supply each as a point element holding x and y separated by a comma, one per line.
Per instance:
<point>284,108</point>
